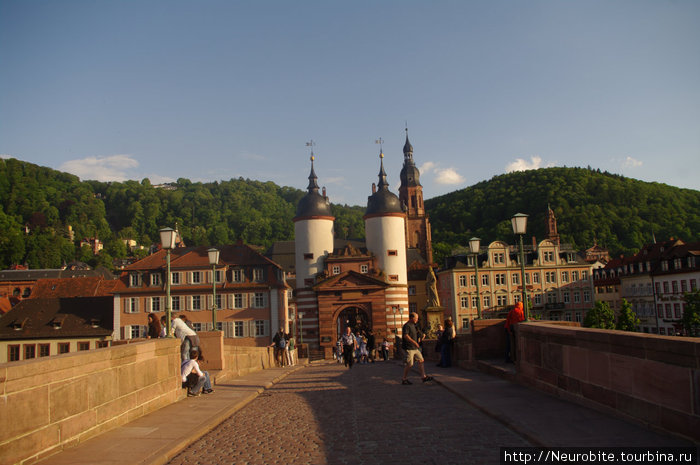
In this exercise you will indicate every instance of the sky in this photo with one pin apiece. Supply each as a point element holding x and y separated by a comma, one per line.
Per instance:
<point>213,90</point>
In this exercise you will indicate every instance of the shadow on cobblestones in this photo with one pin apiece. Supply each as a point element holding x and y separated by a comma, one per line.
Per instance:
<point>328,414</point>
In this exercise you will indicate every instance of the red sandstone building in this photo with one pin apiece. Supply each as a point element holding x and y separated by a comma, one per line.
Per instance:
<point>251,294</point>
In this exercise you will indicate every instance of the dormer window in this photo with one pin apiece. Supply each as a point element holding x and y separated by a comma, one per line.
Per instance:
<point>134,280</point>
<point>155,279</point>
<point>257,275</point>
<point>57,322</point>
<point>18,325</point>
<point>664,265</point>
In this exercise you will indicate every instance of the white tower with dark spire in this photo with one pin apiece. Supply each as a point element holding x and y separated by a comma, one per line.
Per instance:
<point>313,232</point>
<point>385,235</point>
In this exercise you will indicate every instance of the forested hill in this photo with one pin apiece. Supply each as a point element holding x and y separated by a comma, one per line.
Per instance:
<point>46,202</point>
<point>620,213</point>
<point>38,204</point>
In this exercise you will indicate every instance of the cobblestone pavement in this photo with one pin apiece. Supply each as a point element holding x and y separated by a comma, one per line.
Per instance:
<point>328,414</point>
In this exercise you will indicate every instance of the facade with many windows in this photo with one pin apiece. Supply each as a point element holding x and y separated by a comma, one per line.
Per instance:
<point>251,294</point>
<point>653,281</point>
<point>558,282</point>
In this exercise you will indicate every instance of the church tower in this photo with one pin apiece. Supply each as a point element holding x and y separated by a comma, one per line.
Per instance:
<point>550,231</point>
<point>411,195</point>
<point>385,224</point>
<point>313,241</point>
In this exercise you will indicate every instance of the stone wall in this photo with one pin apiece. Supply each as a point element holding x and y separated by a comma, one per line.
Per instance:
<point>652,379</point>
<point>237,360</point>
<point>50,403</point>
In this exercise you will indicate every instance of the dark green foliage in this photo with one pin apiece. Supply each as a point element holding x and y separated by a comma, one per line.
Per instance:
<point>691,313</point>
<point>600,316</point>
<point>619,213</point>
<point>215,213</point>
<point>627,320</point>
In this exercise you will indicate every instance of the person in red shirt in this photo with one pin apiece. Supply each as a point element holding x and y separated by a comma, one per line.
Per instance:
<point>514,317</point>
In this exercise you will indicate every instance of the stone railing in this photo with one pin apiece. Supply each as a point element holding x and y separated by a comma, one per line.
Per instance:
<point>51,403</point>
<point>648,378</point>
<point>48,404</point>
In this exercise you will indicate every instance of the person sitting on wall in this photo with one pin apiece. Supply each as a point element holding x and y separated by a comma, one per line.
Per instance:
<point>194,379</point>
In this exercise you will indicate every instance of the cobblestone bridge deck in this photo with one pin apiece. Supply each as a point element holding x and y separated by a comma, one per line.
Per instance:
<point>327,414</point>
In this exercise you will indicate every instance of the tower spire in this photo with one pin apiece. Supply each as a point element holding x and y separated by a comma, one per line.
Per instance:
<point>407,149</point>
<point>313,184</point>
<point>383,184</point>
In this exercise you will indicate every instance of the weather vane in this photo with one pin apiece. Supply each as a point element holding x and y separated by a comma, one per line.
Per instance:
<point>311,144</point>
<point>380,141</point>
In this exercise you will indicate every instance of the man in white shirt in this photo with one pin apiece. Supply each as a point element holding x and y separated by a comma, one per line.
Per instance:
<point>186,335</point>
<point>193,378</point>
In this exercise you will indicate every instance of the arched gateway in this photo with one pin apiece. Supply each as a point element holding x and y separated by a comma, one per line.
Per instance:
<point>356,317</point>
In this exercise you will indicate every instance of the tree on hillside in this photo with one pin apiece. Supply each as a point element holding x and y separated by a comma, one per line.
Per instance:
<point>691,313</point>
<point>600,316</point>
<point>627,320</point>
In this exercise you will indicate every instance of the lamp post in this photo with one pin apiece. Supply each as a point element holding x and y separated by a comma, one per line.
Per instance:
<point>301,327</point>
<point>167,241</point>
<point>519,223</point>
<point>474,245</point>
<point>213,261</point>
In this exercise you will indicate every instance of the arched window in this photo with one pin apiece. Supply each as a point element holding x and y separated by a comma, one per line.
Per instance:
<point>26,292</point>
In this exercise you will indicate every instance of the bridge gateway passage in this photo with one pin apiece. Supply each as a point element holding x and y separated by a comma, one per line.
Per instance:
<point>328,414</point>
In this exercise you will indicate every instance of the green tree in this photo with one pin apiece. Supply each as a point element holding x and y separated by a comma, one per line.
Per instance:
<point>627,320</point>
<point>691,313</point>
<point>600,316</point>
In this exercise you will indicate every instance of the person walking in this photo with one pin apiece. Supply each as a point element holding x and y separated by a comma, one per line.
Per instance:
<point>514,317</point>
<point>349,343</point>
<point>410,342</point>
<point>371,345</point>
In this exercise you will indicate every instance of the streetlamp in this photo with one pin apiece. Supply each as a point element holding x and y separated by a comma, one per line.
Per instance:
<point>213,261</point>
<point>167,241</point>
<point>474,245</point>
<point>519,223</point>
<point>301,327</point>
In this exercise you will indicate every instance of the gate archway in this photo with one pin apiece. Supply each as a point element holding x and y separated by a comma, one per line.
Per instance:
<point>356,317</point>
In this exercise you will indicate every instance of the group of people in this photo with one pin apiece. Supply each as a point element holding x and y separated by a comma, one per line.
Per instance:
<point>284,345</point>
<point>360,347</point>
<point>194,379</point>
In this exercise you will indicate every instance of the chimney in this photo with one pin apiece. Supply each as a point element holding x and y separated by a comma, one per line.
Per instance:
<point>534,243</point>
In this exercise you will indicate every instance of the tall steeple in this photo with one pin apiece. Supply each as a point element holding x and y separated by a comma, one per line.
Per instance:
<point>418,234</point>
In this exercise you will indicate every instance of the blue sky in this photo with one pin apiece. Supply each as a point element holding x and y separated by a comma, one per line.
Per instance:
<point>213,90</point>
